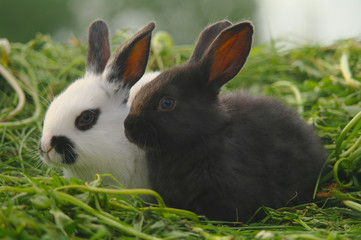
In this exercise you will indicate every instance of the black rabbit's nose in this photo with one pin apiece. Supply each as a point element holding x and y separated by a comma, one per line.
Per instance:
<point>65,147</point>
<point>134,127</point>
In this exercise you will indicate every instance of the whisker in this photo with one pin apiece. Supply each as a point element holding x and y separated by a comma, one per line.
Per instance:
<point>87,165</point>
<point>49,91</point>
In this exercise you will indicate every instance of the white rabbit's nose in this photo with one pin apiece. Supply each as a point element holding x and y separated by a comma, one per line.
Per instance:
<point>44,144</point>
<point>64,150</point>
<point>42,150</point>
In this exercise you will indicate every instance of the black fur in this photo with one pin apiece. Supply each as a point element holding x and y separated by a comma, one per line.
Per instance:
<point>87,119</point>
<point>222,156</point>
<point>65,147</point>
<point>98,50</point>
<point>206,38</point>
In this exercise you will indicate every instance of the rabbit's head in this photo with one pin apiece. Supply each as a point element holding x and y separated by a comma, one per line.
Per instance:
<point>180,106</point>
<point>83,126</point>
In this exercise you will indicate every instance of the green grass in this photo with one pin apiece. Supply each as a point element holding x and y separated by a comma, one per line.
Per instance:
<point>321,82</point>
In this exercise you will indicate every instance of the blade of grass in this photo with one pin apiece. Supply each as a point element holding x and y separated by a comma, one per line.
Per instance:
<point>19,92</point>
<point>344,133</point>
<point>106,219</point>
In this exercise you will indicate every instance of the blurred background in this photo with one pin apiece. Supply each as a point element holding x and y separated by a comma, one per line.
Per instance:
<point>300,21</point>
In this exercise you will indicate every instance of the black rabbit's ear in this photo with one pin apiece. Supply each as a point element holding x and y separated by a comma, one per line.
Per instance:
<point>228,53</point>
<point>98,51</point>
<point>206,38</point>
<point>127,65</point>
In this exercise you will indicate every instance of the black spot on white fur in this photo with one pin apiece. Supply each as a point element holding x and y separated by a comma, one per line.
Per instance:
<point>65,147</point>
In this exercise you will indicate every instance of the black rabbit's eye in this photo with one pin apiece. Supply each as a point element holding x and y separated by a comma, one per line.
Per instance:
<point>87,119</point>
<point>167,103</point>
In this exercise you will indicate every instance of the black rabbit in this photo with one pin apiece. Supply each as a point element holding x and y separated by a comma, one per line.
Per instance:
<point>222,156</point>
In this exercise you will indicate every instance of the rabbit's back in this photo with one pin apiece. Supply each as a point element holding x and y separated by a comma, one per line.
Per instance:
<point>271,146</point>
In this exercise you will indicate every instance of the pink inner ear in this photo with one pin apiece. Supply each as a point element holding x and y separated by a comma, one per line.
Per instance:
<point>135,61</point>
<point>230,55</point>
<point>106,50</point>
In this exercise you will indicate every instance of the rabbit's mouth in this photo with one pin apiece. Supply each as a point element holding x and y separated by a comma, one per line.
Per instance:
<point>45,153</point>
<point>63,148</point>
<point>50,157</point>
<point>140,132</point>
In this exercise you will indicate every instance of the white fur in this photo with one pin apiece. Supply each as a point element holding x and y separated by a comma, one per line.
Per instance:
<point>141,82</point>
<point>103,148</point>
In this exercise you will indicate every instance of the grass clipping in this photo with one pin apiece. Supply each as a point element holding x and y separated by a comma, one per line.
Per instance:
<point>321,82</point>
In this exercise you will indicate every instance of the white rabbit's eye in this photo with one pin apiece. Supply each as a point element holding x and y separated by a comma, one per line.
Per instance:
<point>166,104</point>
<point>87,119</point>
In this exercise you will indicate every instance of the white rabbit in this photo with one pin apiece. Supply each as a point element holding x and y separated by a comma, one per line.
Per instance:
<point>83,129</point>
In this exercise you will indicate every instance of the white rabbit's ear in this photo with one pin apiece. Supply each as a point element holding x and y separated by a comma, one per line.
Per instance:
<point>98,50</point>
<point>228,53</point>
<point>206,38</point>
<point>127,65</point>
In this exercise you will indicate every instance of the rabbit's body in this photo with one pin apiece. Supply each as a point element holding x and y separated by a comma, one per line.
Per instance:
<point>242,165</point>
<point>83,129</point>
<point>222,156</point>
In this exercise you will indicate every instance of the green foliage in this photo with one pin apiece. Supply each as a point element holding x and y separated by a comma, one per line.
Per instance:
<point>322,82</point>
